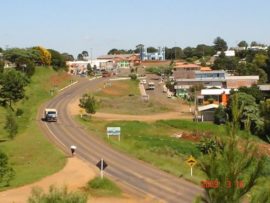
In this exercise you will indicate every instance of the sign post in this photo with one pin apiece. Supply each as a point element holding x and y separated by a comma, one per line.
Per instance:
<point>101,170</point>
<point>101,165</point>
<point>81,112</point>
<point>191,161</point>
<point>114,131</point>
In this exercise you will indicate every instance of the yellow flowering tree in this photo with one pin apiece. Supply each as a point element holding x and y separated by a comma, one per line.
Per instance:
<point>45,55</point>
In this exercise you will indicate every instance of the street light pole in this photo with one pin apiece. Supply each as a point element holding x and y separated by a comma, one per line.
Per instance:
<point>91,55</point>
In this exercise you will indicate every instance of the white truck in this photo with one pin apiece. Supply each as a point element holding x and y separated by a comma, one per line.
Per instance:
<point>151,86</point>
<point>50,115</point>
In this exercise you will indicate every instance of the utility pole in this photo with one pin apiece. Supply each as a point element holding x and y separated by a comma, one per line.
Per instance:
<point>91,56</point>
<point>175,51</point>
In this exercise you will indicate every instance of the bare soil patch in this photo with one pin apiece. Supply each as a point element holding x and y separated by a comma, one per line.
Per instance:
<point>74,175</point>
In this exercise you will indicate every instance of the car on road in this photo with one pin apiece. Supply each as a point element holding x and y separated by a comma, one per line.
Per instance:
<point>50,115</point>
<point>151,86</point>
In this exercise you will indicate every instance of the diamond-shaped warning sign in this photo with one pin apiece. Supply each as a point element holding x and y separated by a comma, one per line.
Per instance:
<point>191,161</point>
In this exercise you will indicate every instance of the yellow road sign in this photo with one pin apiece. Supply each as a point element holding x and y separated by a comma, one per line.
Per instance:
<point>191,161</point>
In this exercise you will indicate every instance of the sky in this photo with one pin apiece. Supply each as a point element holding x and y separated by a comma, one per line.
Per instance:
<point>100,25</point>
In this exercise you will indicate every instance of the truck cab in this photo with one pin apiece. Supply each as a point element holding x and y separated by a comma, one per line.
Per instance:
<point>151,86</point>
<point>50,115</point>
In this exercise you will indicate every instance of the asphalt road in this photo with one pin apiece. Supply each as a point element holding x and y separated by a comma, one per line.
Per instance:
<point>140,176</point>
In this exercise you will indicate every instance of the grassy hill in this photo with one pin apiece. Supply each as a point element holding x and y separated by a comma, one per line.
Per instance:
<point>30,153</point>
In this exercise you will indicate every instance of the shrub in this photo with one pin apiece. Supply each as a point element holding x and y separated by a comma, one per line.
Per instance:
<point>133,76</point>
<point>6,172</point>
<point>19,112</point>
<point>220,116</point>
<point>11,125</point>
<point>56,195</point>
<point>89,103</point>
<point>103,186</point>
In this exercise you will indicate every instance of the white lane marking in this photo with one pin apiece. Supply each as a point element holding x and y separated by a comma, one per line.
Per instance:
<point>59,141</point>
<point>68,86</point>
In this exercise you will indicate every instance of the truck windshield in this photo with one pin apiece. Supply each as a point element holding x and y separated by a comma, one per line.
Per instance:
<point>51,112</point>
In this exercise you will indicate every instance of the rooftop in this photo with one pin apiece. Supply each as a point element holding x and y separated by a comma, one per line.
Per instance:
<point>211,71</point>
<point>246,77</point>
<point>113,56</point>
<point>206,69</point>
<point>201,80</point>
<point>186,65</point>
<point>206,107</point>
<point>215,91</point>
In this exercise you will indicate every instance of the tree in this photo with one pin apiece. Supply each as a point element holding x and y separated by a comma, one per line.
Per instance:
<point>225,63</point>
<point>57,195</point>
<point>2,65</point>
<point>243,44</point>
<point>14,53</point>
<point>188,51</point>
<point>262,75</point>
<point>254,43</point>
<point>253,91</point>
<point>250,114</point>
<point>12,85</point>
<point>265,111</point>
<point>176,53</point>
<point>11,125</point>
<point>67,57</point>
<point>85,54</point>
<point>260,60</point>
<point>203,50</point>
<point>89,70</point>
<point>220,44</point>
<point>133,76</point>
<point>7,173</point>
<point>45,55</point>
<point>57,59</point>
<point>232,172</point>
<point>220,116</point>
<point>80,57</point>
<point>89,103</point>
<point>139,48</point>
<point>25,65</point>
<point>246,68</point>
<point>151,49</point>
<point>113,51</point>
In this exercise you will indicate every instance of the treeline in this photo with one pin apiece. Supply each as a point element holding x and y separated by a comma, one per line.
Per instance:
<point>248,59</point>
<point>13,80</point>
<point>26,59</point>
<point>246,62</point>
<point>254,109</point>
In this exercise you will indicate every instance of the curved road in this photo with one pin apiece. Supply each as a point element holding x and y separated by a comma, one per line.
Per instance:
<point>133,173</point>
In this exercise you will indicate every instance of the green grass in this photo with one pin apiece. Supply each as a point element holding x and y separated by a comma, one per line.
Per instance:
<point>151,142</point>
<point>123,97</point>
<point>120,89</point>
<point>205,127</point>
<point>103,187</point>
<point>30,153</point>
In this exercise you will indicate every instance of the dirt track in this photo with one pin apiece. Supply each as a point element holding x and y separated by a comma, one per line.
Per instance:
<point>74,109</point>
<point>154,117</point>
<point>74,175</point>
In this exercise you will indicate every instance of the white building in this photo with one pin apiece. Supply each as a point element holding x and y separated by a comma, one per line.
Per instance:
<point>228,53</point>
<point>80,67</point>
